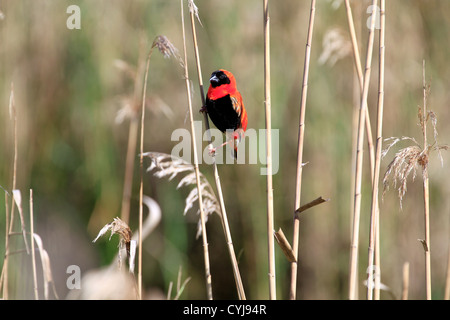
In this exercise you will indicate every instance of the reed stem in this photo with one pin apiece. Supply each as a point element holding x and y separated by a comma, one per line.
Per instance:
<point>359,162</point>
<point>267,103</point>
<point>301,135</point>
<point>426,193</point>
<point>374,213</point>
<point>196,168</point>
<point>225,224</point>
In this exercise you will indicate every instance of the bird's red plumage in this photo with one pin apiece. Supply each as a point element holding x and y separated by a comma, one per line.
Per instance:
<point>215,93</point>
<point>225,105</point>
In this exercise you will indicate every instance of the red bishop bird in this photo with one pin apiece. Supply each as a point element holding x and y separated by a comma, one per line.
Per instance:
<point>225,107</point>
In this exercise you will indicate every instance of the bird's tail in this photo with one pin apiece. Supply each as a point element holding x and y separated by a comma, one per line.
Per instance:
<point>237,137</point>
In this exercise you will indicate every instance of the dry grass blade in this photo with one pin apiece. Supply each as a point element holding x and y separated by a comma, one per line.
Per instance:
<point>424,244</point>
<point>166,165</point>
<point>181,286</point>
<point>285,246</point>
<point>309,205</point>
<point>46,267</point>
<point>18,200</point>
<point>132,258</point>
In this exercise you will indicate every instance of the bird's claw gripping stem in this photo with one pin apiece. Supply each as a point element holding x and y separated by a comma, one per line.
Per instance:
<point>212,151</point>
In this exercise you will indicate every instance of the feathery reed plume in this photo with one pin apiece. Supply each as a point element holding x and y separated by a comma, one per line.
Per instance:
<point>193,12</point>
<point>110,282</point>
<point>407,160</point>
<point>335,47</point>
<point>268,117</point>
<point>374,213</point>
<point>404,163</point>
<point>196,168</point>
<point>301,135</point>
<point>166,47</point>
<point>166,165</point>
<point>119,227</point>
<point>359,162</point>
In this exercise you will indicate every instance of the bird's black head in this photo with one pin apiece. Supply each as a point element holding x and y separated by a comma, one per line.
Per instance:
<point>219,78</point>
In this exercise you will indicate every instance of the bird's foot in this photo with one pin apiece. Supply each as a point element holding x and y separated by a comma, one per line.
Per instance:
<point>212,151</point>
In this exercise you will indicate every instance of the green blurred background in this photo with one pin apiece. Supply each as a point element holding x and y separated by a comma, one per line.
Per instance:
<point>71,150</point>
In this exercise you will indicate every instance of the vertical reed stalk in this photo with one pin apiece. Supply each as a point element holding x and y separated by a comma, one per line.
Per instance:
<point>301,135</point>
<point>359,72</point>
<point>377,292</point>
<point>426,193</point>
<point>129,168</point>
<point>267,102</point>
<point>225,225</point>
<point>374,213</point>
<point>132,137</point>
<point>33,257</point>
<point>405,284</point>
<point>359,163</point>
<point>197,172</point>
<point>447,279</point>
<point>141,171</point>
<point>132,140</point>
